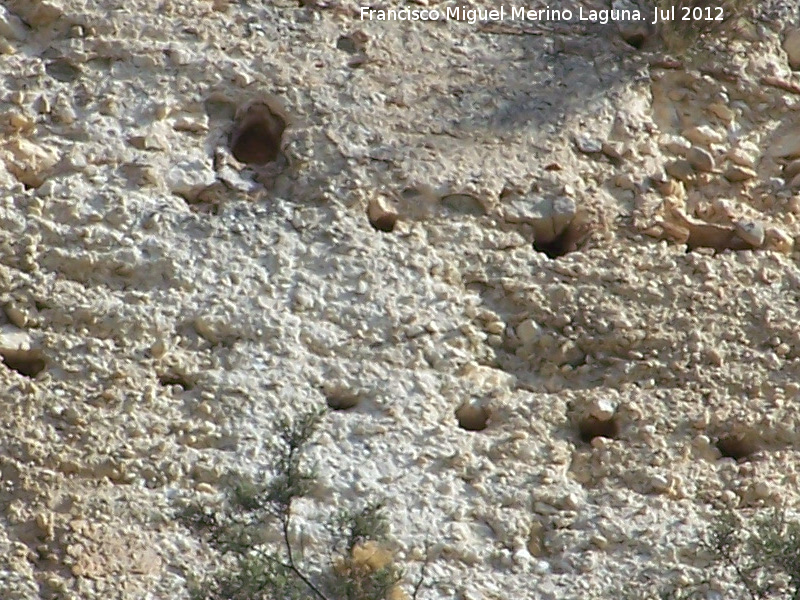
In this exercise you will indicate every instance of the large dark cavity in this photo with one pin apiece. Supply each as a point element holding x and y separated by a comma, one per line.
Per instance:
<point>256,138</point>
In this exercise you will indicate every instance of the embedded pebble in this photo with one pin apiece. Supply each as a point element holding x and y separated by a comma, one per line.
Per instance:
<point>588,145</point>
<point>680,169</point>
<point>700,159</point>
<point>736,173</point>
<point>751,232</point>
<point>602,409</point>
<point>704,135</point>
<point>791,45</point>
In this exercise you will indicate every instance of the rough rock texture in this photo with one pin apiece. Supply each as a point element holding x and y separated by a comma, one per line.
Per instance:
<point>448,223</point>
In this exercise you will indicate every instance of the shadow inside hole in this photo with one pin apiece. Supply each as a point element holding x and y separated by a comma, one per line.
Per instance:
<point>170,379</point>
<point>636,40</point>
<point>25,362</point>
<point>256,138</point>
<point>565,242</point>
<point>737,446</point>
<point>473,418</point>
<point>591,427</point>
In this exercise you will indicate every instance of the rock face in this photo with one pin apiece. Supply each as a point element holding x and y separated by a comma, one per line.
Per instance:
<point>545,289</point>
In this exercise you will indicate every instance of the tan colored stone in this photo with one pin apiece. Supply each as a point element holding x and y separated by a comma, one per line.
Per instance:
<point>735,173</point>
<point>791,46</point>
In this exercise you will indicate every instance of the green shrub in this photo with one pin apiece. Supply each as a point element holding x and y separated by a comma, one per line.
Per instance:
<point>360,563</point>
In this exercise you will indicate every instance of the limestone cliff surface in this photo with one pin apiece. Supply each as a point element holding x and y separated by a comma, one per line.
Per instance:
<point>550,267</point>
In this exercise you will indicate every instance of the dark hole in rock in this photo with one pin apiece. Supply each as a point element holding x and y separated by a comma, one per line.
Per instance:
<point>256,138</point>
<point>636,40</point>
<point>591,427</point>
<point>342,399</point>
<point>25,362</point>
<point>737,446</point>
<point>565,242</point>
<point>472,418</point>
<point>169,379</point>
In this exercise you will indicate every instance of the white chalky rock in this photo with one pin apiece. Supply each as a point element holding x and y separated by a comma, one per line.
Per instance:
<point>564,210</point>
<point>13,338</point>
<point>549,216</point>
<point>602,409</point>
<point>30,163</point>
<point>751,232</point>
<point>189,178</point>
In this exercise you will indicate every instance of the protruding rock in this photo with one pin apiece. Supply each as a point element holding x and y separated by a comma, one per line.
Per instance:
<point>778,240</point>
<point>700,159</point>
<point>704,135</point>
<point>791,169</point>
<point>680,169</point>
<point>528,331</point>
<point>30,163</point>
<point>735,173</point>
<point>189,178</point>
<point>382,216</point>
<point>751,232</point>
<point>548,216</point>
<point>791,46</point>
<point>602,409</point>
<point>614,150</point>
<point>588,145</point>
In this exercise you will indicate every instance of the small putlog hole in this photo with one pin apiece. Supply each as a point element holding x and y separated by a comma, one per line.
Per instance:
<point>569,240</point>
<point>738,446</point>
<point>173,378</point>
<point>591,427</point>
<point>473,418</point>
<point>256,138</point>
<point>25,362</point>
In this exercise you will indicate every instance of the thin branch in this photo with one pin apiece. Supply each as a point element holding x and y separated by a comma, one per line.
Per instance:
<point>422,571</point>
<point>287,515</point>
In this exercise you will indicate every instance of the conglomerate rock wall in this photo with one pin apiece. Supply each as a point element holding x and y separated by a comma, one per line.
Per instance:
<point>552,277</point>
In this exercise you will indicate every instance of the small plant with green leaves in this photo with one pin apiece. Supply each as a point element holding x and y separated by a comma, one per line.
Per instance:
<point>360,567</point>
<point>762,554</point>
<point>362,563</point>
